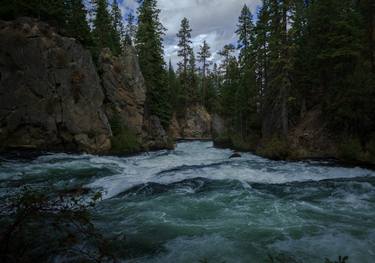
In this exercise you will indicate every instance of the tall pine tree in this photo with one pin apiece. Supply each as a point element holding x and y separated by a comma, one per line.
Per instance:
<point>118,27</point>
<point>203,57</point>
<point>149,45</point>
<point>184,52</point>
<point>103,29</point>
<point>246,95</point>
<point>76,22</point>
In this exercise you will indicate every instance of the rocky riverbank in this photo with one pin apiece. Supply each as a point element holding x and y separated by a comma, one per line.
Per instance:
<point>310,139</point>
<point>54,98</point>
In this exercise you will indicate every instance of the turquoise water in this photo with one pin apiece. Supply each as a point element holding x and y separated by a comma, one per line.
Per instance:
<point>194,203</point>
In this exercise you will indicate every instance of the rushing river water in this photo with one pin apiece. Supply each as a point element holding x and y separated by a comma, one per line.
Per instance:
<point>194,203</point>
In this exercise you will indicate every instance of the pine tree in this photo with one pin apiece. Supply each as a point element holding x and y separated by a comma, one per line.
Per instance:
<point>245,29</point>
<point>203,55</point>
<point>334,39</point>
<point>149,45</point>
<point>275,108</point>
<point>261,47</point>
<point>76,22</point>
<point>246,95</point>
<point>103,31</point>
<point>53,12</point>
<point>227,54</point>
<point>118,27</point>
<point>230,83</point>
<point>174,89</point>
<point>192,81</point>
<point>130,29</point>
<point>184,52</point>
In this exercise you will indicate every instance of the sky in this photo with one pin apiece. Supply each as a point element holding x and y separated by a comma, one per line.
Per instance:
<point>211,20</point>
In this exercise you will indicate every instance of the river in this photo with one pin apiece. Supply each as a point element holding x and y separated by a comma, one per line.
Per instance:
<point>195,203</point>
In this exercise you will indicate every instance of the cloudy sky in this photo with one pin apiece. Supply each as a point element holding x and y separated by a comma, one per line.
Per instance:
<point>211,20</point>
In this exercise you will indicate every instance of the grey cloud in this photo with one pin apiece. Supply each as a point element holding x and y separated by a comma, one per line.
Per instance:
<point>211,20</point>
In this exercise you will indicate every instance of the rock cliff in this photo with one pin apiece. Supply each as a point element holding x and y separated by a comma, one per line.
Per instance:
<point>125,98</point>
<point>50,93</point>
<point>196,124</point>
<point>53,98</point>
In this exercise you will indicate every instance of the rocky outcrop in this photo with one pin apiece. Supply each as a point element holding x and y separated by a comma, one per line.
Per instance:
<point>50,93</point>
<point>124,89</point>
<point>175,130</point>
<point>218,126</point>
<point>125,96</point>
<point>155,137</point>
<point>195,125</point>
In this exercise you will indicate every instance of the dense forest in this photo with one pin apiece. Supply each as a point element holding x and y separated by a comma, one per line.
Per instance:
<point>295,58</point>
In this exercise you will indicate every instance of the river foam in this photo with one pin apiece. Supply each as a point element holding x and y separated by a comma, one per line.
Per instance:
<point>188,161</point>
<point>194,203</point>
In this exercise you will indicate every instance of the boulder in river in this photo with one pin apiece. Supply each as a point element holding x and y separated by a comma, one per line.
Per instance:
<point>235,155</point>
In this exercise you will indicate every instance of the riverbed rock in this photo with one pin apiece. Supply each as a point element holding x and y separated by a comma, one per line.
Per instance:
<point>235,155</point>
<point>50,93</point>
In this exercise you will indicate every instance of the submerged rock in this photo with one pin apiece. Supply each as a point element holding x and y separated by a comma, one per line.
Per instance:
<point>50,93</point>
<point>235,155</point>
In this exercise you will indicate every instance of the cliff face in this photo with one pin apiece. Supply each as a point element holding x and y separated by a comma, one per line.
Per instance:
<point>195,125</point>
<point>53,98</point>
<point>124,89</point>
<point>50,93</point>
<point>125,98</point>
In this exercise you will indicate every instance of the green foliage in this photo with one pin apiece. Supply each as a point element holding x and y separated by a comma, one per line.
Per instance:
<point>38,225</point>
<point>118,27</point>
<point>124,141</point>
<point>274,148</point>
<point>47,10</point>
<point>149,44</point>
<point>76,22</point>
<point>350,149</point>
<point>370,148</point>
<point>203,55</point>
<point>186,67</point>
<point>104,32</point>
<point>301,55</point>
